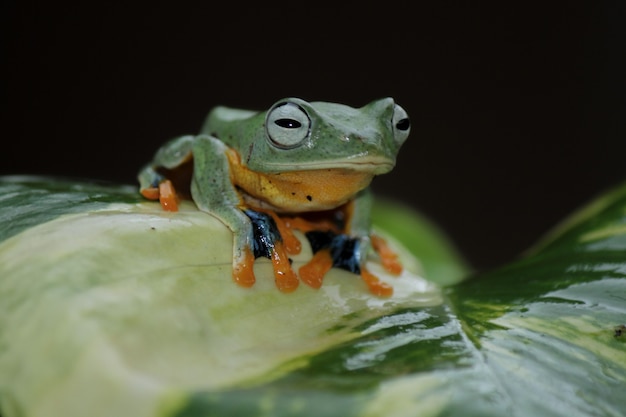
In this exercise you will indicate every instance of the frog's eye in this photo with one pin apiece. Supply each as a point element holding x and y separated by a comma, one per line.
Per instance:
<point>401,124</point>
<point>287,125</point>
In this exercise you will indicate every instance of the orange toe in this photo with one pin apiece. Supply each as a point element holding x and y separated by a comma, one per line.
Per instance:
<point>243,272</point>
<point>375,285</point>
<point>286,280</point>
<point>151,193</point>
<point>167,196</point>
<point>388,257</point>
<point>312,273</point>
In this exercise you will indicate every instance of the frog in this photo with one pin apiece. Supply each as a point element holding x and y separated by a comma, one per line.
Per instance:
<point>298,165</point>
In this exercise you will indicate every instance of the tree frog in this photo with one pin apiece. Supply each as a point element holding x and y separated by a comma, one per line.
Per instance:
<point>299,165</point>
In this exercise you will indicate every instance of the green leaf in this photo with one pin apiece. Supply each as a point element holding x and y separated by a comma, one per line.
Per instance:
<point>111,306</point>
<point>29,201</point>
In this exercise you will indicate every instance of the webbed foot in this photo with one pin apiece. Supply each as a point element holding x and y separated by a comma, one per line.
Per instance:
<point>268,242</point>
<point>341,251</point>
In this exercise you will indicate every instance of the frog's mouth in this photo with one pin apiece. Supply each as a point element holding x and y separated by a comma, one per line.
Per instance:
<point>368,164</point>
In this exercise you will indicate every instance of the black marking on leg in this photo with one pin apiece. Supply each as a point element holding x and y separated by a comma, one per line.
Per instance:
<point>345,253</point>
<point>265,233</point>
<point>320,239</point>
<point>344,250</point>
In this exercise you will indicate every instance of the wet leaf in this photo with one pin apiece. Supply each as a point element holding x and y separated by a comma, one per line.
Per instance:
<point>111,306</point>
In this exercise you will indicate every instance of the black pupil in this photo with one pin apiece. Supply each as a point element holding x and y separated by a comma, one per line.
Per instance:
<point>288,123</point>
<point>403,124</point>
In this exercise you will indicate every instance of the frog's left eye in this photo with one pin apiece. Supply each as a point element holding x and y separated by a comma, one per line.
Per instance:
<point>287,125</point>
<point>401,124</point>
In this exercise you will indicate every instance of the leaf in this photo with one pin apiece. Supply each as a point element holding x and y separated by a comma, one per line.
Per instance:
<point>112,306</point>
<point>545,325</point>
<point>28,201</point>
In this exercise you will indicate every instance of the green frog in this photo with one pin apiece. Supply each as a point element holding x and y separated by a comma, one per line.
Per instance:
<point>297,166</point>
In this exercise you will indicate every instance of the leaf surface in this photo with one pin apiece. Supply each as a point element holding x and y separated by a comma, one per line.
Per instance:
<point>112,306</point>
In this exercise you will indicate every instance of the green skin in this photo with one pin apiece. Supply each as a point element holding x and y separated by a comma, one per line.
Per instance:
<point>292,136</point>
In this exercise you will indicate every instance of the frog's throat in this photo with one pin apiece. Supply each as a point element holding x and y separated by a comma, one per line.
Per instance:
<point>297,191</point>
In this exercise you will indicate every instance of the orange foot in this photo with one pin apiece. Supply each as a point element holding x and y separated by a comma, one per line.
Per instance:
<point>165,193</point>
<point>314,271</point>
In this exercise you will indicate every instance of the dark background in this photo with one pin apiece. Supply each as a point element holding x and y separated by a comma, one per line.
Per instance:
<point>518,110</point>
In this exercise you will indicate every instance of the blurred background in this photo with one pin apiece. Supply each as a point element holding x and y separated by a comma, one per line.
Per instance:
<point>518,112</point>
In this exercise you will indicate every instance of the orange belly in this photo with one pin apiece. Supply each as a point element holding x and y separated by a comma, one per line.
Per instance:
<point>297,191</point>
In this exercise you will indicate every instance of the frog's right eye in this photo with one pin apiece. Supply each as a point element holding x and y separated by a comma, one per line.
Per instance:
<point>287,125</point>
<point>401,124</point>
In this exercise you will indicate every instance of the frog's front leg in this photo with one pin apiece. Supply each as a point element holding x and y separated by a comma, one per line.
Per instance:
<point>359,226</point>
<point>268,241</point>
<point>213,192</point>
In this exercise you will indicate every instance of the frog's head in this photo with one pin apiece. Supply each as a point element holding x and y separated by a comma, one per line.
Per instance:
<point>295,135</point>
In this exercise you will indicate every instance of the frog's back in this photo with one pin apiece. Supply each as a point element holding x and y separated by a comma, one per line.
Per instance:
<point>222,114</point>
